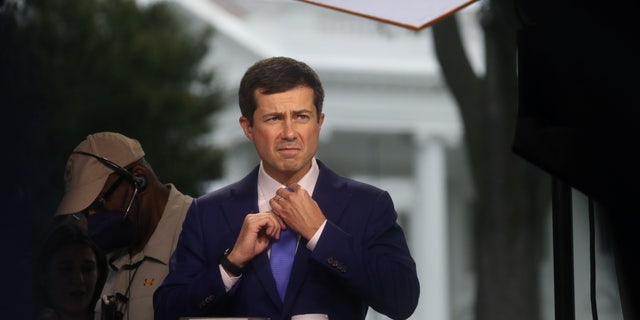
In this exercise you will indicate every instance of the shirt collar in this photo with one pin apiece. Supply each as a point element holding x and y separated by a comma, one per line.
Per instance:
<point>267,186</point>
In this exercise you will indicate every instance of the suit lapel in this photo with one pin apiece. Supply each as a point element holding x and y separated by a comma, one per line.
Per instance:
<point>299,271</point>
<point>263,271</point>
<point>332,195</point>
<point>244,199</point>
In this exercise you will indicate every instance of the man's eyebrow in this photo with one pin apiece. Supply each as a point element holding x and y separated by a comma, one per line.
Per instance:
<point>302,111</point>
<point>292,111</point>
<point>271,114</point>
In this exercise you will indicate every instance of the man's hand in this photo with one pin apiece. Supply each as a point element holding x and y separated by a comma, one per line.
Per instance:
<point>257,231</point>
<point>298,210</point>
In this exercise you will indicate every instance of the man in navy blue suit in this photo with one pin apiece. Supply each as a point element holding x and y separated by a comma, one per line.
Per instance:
<point>350,253</point>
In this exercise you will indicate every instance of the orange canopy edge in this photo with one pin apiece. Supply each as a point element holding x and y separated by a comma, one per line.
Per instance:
<point>411,14</point>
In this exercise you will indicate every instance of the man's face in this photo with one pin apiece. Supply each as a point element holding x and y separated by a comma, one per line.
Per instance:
<point>115,194</point>
<point>285,132</point>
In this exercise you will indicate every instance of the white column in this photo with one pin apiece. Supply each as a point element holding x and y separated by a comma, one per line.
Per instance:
<point>428,229</point>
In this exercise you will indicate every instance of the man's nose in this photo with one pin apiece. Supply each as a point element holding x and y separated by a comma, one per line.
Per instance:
<point>288,130</point>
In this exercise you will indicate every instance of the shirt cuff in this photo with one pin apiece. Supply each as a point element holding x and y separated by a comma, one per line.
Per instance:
<point>316,236</point>
<point>228,281</point>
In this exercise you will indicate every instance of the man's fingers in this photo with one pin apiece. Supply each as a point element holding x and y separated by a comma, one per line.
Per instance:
<point>271,224</point>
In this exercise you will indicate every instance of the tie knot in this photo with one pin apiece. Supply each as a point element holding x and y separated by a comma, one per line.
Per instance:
<point>286,233</point>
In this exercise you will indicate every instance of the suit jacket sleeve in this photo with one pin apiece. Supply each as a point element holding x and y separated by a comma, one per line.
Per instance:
<point>363,244</point>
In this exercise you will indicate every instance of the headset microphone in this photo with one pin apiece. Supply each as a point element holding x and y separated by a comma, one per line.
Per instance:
<point>140,182</point>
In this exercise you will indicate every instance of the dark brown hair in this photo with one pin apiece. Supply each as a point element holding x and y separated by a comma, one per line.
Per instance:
<point>276,75</point>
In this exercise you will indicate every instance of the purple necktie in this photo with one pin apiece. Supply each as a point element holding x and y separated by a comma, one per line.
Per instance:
<point>282,254</point>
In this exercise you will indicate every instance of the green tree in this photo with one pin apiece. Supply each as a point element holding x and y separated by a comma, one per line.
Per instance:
<point>69,68</point>
<point>115,66</point>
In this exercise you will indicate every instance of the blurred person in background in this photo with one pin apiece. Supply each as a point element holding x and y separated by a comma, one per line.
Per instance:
<point>71,272</point>
<point>129,213</point>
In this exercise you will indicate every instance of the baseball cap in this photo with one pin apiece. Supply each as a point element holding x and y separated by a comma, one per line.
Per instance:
<point>85,176</point>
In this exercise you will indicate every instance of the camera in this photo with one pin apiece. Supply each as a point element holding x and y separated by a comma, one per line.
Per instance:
<point>110,307</point>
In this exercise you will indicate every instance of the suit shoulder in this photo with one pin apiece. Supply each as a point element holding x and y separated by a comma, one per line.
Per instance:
<point>351,184</point>
<point>217,194</point>
<point>240,187</point>
<point>361,186</point>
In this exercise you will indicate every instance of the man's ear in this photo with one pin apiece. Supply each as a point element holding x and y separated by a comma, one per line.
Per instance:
<point>140,173</point>
<point>138,170</point>
<point>246,127</point>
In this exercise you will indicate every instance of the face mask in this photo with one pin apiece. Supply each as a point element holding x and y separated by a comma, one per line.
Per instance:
<point>109,230</point>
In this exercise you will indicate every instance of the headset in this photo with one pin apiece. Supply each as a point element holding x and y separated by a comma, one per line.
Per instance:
<point>139,182</point>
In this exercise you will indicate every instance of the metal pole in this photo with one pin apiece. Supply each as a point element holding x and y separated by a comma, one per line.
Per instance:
<point>562,218</point>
